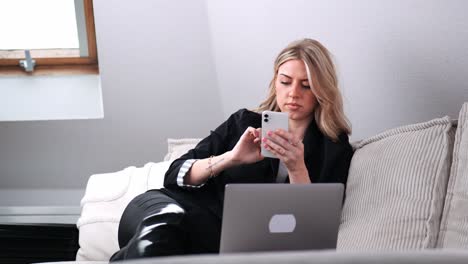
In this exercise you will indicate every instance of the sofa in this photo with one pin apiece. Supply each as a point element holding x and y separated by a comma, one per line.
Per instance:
<point>406,201</point>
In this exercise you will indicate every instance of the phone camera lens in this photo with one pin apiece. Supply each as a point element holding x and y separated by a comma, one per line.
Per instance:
<point>266,115</point>
<point>266,120</point>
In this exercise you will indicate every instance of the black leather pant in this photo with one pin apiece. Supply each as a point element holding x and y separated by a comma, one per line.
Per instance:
<point>154,224</point>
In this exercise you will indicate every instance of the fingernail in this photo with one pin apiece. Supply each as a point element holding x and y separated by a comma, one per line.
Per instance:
<point>269,133</point>
<point>264,139</point>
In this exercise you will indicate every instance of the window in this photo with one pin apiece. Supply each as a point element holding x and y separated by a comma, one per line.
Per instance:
<point>59,35</point>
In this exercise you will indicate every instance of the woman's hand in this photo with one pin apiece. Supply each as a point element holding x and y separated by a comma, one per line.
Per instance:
<point>247,149</point>
<point>290,150</point>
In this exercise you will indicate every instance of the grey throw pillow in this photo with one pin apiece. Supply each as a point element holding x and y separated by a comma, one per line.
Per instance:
<point>396,188</point>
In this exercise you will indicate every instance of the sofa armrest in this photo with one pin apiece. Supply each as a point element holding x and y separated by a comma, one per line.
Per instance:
<point>104,201</point>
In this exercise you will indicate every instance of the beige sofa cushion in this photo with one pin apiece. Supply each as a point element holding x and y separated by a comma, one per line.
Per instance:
<point>454,226</point>
<point>396,188</point>
<point>177,147</point>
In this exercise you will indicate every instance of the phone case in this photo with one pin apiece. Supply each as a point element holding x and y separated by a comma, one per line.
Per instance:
<point>270,122</point>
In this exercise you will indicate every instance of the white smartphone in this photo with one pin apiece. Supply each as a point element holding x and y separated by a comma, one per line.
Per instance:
<point>270,122</point>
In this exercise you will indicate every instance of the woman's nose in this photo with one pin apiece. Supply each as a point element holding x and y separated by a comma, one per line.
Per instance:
<point>295,90</point>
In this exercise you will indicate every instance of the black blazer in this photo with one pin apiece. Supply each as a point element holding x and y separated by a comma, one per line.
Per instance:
<point>326,161</point>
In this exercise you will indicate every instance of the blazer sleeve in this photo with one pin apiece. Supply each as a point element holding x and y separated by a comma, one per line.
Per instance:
<point>336,160</point>
<point>217,143</point>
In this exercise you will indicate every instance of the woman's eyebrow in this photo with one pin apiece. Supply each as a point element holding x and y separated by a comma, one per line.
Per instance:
<point>303,80</point>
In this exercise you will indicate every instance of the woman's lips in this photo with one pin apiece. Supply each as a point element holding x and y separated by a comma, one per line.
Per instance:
<point>293,106</point>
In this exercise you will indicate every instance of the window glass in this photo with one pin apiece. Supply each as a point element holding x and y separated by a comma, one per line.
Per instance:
<point>39,25</point>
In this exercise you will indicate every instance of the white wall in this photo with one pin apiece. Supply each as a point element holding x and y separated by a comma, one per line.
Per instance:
<point>399,61</point>
<point>26,98</point>
<point>162,61</point>
<point>158,81</point>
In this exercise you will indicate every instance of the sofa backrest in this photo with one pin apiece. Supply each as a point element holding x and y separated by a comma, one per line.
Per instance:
<point>454,226</point>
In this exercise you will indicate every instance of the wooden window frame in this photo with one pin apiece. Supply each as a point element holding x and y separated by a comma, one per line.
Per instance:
<point>62,66</point>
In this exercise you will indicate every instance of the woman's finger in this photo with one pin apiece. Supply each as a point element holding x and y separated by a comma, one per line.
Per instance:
<point>272,150</point>
<point>275,147</point>
<point>280,140</point>
<point>258,132</point>
<point>250,131</point>
<point>289,137</point>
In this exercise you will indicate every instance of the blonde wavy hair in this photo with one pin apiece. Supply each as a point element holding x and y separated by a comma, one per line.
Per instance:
<point>321,73</point>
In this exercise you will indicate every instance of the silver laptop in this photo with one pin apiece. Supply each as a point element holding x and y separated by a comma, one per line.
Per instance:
<point>271,217</point>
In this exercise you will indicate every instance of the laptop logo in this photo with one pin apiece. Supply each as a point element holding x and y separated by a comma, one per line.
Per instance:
<point>282,223</point>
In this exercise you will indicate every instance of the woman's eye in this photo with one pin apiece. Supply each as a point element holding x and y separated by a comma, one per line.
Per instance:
<point>285,83</point>
<point>306,86</point>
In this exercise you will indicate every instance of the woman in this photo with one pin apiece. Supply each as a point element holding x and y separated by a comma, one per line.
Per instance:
<point>185,216</point>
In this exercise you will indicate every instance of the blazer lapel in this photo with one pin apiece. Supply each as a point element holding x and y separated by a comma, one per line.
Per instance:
<point>311,139</point>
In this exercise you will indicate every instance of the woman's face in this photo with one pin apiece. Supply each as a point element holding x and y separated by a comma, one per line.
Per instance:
<point>293,92</point>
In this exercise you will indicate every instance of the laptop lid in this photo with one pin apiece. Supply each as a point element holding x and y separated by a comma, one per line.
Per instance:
<point>273,217</point>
